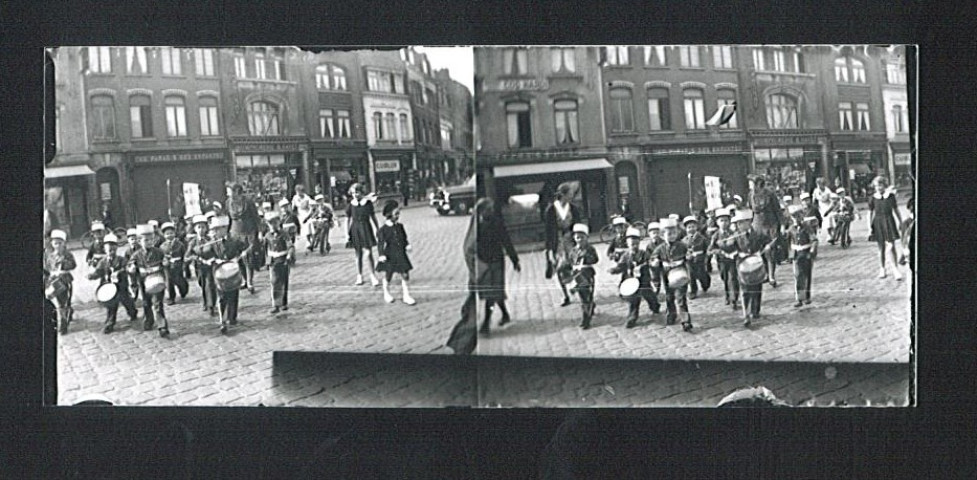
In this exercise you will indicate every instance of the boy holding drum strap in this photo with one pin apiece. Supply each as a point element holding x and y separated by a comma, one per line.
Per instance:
<point>633,263</point>
<point>205,274</point>
<point>111,269</point>
<point>150,261</point>
<point>750,243</point>
<point>697,244</point>
<point>224,249</point>
<point>58,263</point>
<point>803,239</point>
<point>581,260</point>
<point>96,252</point>
<point>724,247</point>
<point>175,250</point>
<point>619,243</point>
<point>671,256</point>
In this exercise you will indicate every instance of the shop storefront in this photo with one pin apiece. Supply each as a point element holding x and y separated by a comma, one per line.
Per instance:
<point>902,170</point>
<point>855,169</point>
<point>789,171</point>
<point>269,169</point>
<point>675,176</point>
<point>334,173</point>
<point>66,197</point>
<point>157,180</point>
<point>391,172</point>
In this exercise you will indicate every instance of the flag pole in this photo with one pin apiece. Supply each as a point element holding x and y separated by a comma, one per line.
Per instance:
<point>169,201</point>
<point>690,193</point>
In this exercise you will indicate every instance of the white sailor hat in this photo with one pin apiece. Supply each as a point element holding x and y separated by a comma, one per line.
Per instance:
<point>674,216</point>
<point>221,221</point>
<point>654,226</point>
<point>794,209</point>
<point>131,232</point>
<point>110,238</point>
<point>788,198</point>
<point>153,223</point>
<point>722,212</point>
<point>167,225</point>
<point>632,232</point>
<point>743,215</point>
<point>668,223</point>
<point>320,197</point>
<point>737,197</point>
<point>96,226</point>
<point>217,205</point>
<point>60,234</point>
<point>581,228</point>
<point>199,219</point>
<point>266,205</point>
<point>805,195</point>
<point>283,202</point>
<point>619,220</point>
<point>144,229</point>
<point>840,190</point>
<point>210,214</point>
<point>690,218</point>
<point>269,216</point>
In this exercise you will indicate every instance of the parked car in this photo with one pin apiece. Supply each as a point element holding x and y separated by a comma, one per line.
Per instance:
<point>458,198</point>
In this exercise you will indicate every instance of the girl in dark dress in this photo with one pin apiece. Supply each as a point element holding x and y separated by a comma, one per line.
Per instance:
<point>493,246</point>
<point>884,219</point>
<point>559,218</point>
<point>392,248</point>
<point>361,222</point>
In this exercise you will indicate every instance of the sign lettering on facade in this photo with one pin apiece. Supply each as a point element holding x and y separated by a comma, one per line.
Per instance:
<point>702,149</point>
<point>178,157</point>
<point>788,140</point>
<point>517,84</point>
<point>270,147</point>
<point>388,165</point>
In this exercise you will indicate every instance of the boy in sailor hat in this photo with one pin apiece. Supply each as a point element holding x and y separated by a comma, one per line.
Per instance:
<point>810,209</point>
<point>669,256</point>
<point>723,246</point>
<point>112,269</point>
<point>803,241</point>
<point>619,243</point>
<point>751,242</point>
<point>633,263</point>
<point>223,249</point>
<point>205,273</point>
<point>322,217</point>
<point>280,251</point>
<point>581,260</point>
<point>173,250</point>
<point>58,264</point>
<point>96,252</point>
<point>146,261</point>
<point>654,240</point>
<point>697,245</point>
<point>132,246</point>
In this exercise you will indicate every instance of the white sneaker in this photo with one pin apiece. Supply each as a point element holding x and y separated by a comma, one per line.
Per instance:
<point>409,300</point>
<point>374,281</point>
<point>898,275</point>
<point>882,273</point>
<point>387,297</point>
<point>359,280</point>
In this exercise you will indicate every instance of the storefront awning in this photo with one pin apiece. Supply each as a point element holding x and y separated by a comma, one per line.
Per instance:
<point>551,167</point>
<point>68,171</point>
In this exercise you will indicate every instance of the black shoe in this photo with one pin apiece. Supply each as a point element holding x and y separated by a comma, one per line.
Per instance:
<point>670,319</point>
<point>164,332</point>
<point>251,289</point>
<point>746,321</point>
<point>773,283</point>
<point>631,324</point>
<point>687,326</point>
<point>274,310</point>
<point>585,325</point>
<point>566,301</point>
<point>213,312</point>
<point>736,306</point>
<point>205,308</point>
<point>223,329</point>
<point>798,304</point>
<point>147,326</point>
<point>807,302</point>
<point>108,329</point>
<point>484,330</point>
<point>505,320</point>
<point>727,301</point>
<point>171,302</point>
<point>183,296</point>
<point>233,322</point>
<point>284,307</point>
<point>132,319</point>
<point>693,295</point>
<point>832,241</point>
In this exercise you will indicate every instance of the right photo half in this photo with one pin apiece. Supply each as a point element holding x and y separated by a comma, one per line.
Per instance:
<point>695,225</point>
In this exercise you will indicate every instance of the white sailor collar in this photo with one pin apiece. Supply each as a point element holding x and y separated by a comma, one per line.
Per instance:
<point>389,223</point>
<point>360,202</point>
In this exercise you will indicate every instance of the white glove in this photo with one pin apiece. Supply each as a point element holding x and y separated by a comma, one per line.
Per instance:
<point>382,258</point>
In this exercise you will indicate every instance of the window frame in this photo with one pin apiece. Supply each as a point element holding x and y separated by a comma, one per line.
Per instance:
<point>689,56</point>
<point>103,116</point>
<point>558,57</point>
<point>517,62</point>
<point>102,63</point>
<point>698,110</point>
<point>521,117</point>
<point>210,105</point>
<point>145,116</point>
<point>618,113</point>
<point>169,58</point>
<point>664,109</point>
<point>326,125</point>
<point>787,110</point>
<point>724,53</point>
<point>857,73</point>
<point>240,67</point>
<point>779,61</point>
<point>721,101</point>
<point>270,117</point>
<point>405,127</point>
<point>570,121</point>
<point>140,54</point>
<point>178,114</point>
<point>841,70</point>
<point>863,113</point>
<point>846,115</point>
<point>202,59</point>
<point>759,62</point>
<point>658,53</point>
<point>620,54</point>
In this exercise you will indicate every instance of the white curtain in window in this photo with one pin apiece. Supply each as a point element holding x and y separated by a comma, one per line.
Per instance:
<point>325,123</point>
<point>512,119</point>
<point>203,61</point>
<point>758,61</point>
<point>259,67</point>
<point>136,118</point>
<point>239,68</point>
<point>857,71</point>
<point>99,59</point>
<point>507,54</point>
<point>841,70</point>
<point>863,123</point>
<point>136,60</point>
<point>339,78</point>
<point>405,126</point>
<point>844,116</point>
<point>390,125</point>
<point>694,110</point>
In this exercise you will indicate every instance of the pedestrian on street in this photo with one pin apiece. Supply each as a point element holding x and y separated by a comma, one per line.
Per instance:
<point>558,220</point>
<point>751,243</point>
<point>884,219</point>
<point>811,210</point>
<point>244,227</point>
<point>302,205</point>
<point>844,213</point>
<point>111,269</point>
<point>803,239</point>
<point>708,229</point>
<point>581,261</point>
<point>280,250</point>
<point>158,235</point>
<point>147,261</point>
<point>634,263</point>
<point>174,251</point>
<point>361,223</point>
<point>463,337</point>
<point>697,245</point>
<point>322,220</point>
<point>725,250</point>
<point>224,249</point>
<point>822,199</point>
<point>671,255</point>
<point>58,264</point>
<point>205,273</point>
<point>392,248</point>
<point>494,244</point>
<point>767,218</point>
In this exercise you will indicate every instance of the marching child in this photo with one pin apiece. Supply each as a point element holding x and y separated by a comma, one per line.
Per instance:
<point>708,229</point>
<point>654,240</point>
<point>145,261</point>
<point>174,251</point>
<point>697,244</point>
<point>322,219</point>
<point>280,251</point>
<point>633,263</point>
<point>392,248</point>
<point>132,246</point>
<point>619,243</point>
<point>96,252</point>
<point>723,246</point>
<point>750,242</point>
<point>290,222</point>
<point>58,264</point>
<point>804,246</point>
<point>112,269</point>
<point>810,209</point>
<point>222,250</point>
<point>581,260</point>
<point>205,274</point>
<point>671,255</point>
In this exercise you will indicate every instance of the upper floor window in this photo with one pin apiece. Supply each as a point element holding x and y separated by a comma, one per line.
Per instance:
<point>722,56</point>
<point>378,81</point>
<point>136,63</point>
<point>726,97</point>
<point>330,77</point>
<point>378,125</point>
<point>899,119</point>
<point>263,119</point>
<point>103,117</point>
<point>841,70</point>
<point>617,55</point>
<point>565,118</point>
<point>208,116</point>
<point>658,116</point>
<point>621,110</point>
<point>519,125</point>
<point>429,95</point>
<point>895,72</point>
<point>862,109</point>
<point>695,114</point>
<point>405,127</point>
<point>798,62</point>
<point>100,59</point>
<point>857,71</point>
<point>688,56</point>
<point>390,125</point>
<point>758,60</point>
<point>260,70</point>
<point>781,111</point>
<point>778,61</point>
<point>141,116</point>
<point>515,61</point>
<point>204,62</point>
<point>240,71</point>
<point>655,56</point>
<point>845,116</point>
<point>171,61</point>
<point>342,124</point>
<point>843,64</point>
<point>176,116</point>
<point>563,59</point>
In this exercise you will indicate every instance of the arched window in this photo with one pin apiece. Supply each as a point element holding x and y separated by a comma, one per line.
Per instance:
<point>658,116</point>
<point>176,116</point>
<point>263,119</point>
<point>726,96</point>
<point>141,116</point>
<point>338,78</point>
<point>622,113</point>
<point>857,71</point>
<point>208,116</point>
<point>781,111</point>
<point>103,117</point>
<point>565,118</point>
<point>519,124</point>
<point>695,115</point>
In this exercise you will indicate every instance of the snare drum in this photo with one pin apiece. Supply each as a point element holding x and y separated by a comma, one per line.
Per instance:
<point>678,277</point>
<point>751,270</point>
<point>155,283</point>
<point>228,277</point>
<point>107,293</point>
<point>628,289</point>
<point>55,288</point>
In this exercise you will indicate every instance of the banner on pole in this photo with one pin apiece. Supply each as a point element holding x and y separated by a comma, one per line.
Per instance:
<point>714,197</point>
<point>191,198</point>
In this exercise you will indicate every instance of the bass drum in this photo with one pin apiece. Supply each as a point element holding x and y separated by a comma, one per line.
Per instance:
<point>751,270</point>
<point>228,277</point>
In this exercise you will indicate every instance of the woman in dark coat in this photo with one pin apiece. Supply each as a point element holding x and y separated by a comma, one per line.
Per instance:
<point>244,227</point>
<point>493,245</point>
<point>884,219</point>
<point>559,218</point>
<point>361,223</point>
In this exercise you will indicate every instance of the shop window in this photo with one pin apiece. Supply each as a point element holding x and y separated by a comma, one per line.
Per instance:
<point>722,57</point>
<point>404,127</point>
<point>617,55</point>
<point>622,114</point>
<point>688,56</point>
<point>845,116</point>
<point>263,119</point>
<point>141,116</point>
<point>758,61</point>
<point>176,116</point>
<point>208,116</point>
<point>781,111</point>
<point>515,61</point>
<point>240,71</point>
<point>203,59</point>
<point>103,118</point>
<point>862,109</point>
<point>171,61</point>
<point>563,60</point>
<point>519,124</point>
<point>695,116</point>
<point>655,56</point>
<point>658,116</point>
<point>100,59</point>
<point>136,63</point>
<point>565,118</point>
<point>726,97</point>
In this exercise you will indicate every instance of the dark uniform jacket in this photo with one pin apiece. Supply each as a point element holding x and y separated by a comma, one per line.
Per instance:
<point>279,242</point>
<point>63,261</point>
<point>801,236</point>
<point>616,243</point>
<point>697,245</point>
<point>726,249</point>
<point>174,250</point>
<point>670,255</point>
<point>111,269</point>
<point>583,256</point>
<point>753,242</point>
<point>95,253</point>
<point>634,263</point>
<point>226,249</point>
<point>147,258</point>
